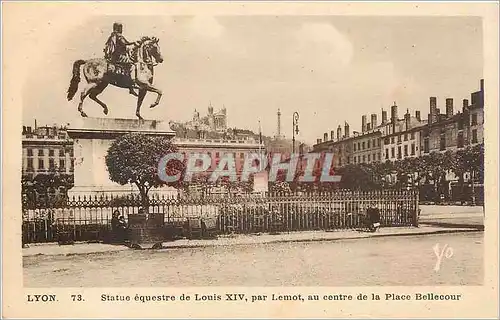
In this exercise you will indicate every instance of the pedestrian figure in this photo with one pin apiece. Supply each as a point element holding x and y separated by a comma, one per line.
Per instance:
<point>122,224</point>
<point>373,218</point>
<point>118,227</point>
<point>115,220</point>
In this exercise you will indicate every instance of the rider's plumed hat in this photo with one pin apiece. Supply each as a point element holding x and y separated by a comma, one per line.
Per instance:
<point>117,27</point>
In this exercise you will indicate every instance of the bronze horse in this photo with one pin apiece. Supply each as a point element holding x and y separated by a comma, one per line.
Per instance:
<point>98,73</point>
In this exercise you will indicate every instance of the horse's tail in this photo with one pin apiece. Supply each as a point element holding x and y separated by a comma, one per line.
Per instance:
<point>73,84</point>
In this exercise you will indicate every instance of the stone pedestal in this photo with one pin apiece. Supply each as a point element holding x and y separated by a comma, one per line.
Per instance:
<point>92,137</point>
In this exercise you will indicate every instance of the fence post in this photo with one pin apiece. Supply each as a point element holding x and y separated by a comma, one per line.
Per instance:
<point>416,213</point>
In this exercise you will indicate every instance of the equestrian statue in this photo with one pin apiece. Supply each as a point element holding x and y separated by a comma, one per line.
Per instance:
<point>125,64</point>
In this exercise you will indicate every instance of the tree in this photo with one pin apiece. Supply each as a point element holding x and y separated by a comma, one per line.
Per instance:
<point>200,181</point>
<point>470,160</point>
<point>358,177</point>
<point>430,169</point>
<point>437,165</point>
<point>50,187</point>
<point>134,158</point>
<point>237,186</point>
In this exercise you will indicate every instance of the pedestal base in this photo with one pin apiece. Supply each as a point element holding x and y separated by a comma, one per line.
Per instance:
<point>92,138</point>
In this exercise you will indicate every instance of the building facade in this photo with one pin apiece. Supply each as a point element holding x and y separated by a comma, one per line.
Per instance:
<point>46,149</point>
<point>452,131</point>
<point>217,148</point>
<point>395,139</point>
<point>366,145</point>
<point>360,147</point>
<point>401,137</point>
<point>338,145</point>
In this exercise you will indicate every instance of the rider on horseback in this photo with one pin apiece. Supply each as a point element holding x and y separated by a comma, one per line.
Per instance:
<point>98,73</point>
<point>116,50</point>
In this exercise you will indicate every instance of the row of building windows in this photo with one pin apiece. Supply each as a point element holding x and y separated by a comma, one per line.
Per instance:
<point>366,158</point>
<point>41,164</point>
<point>401,137</point>
<point>400,154</point>
<point>373,143</point>
<point>41,152</point>
<point>473,121</point>
<point>442,141</point>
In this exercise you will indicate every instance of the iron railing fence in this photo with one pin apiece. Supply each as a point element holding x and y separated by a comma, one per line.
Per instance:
<point>88,217</point>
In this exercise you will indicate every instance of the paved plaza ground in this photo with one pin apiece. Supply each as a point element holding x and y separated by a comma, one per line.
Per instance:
<point>386,261</point>
<point>305,236</point>
<point>452,216</point>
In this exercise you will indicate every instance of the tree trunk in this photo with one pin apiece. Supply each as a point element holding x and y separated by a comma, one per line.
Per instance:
<point>472,188</point>
<point>144,197</point>
<point>146,233</point>
<point>437,198</point>
<point>461,184</point>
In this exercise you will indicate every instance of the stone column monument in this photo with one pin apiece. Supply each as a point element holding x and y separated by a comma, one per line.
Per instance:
<point>92,137</point>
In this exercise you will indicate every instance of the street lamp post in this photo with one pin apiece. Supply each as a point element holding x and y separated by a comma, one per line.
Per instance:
<point>295,128</point>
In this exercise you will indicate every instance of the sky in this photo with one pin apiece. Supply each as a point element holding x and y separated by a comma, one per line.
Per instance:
<point>329,69</point>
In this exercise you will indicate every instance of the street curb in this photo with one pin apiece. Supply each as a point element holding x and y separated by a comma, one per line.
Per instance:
<point>454,225</point>
<point>71,254</point>
<point>185,246</point>
<point>325,239</point>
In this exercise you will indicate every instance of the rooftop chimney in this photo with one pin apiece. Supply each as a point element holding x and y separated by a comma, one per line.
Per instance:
<point>374,120</point>
<point>384,116</point>
<point>417,115</point>
<point>363,123</point>
<point>433,109</point>
<point>318,141</point>
<point>339,132</point>
<point>449,107</point>
<point>346,130</point>
<point>394,116</point>
<point>332,135</point>
<point>394,113</point>
<point>481,85</point>
<point>407,120</point>
<point>465,104</point>
<point>325,136</point>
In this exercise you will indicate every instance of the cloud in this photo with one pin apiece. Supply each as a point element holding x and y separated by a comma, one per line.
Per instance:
<point>325,43</point>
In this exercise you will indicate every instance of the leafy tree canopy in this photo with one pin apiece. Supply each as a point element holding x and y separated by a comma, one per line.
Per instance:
<point>134,158</point>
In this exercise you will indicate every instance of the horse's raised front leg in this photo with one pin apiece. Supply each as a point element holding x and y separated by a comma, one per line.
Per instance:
<point>95,92</point>
<point>158,95</point>
<point>83,95</point>
<point>140,98</point>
